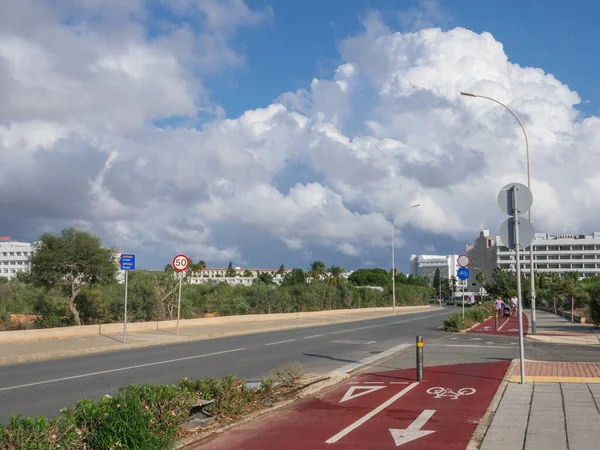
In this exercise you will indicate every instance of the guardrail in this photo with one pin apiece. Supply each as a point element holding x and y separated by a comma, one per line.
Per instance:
<point>116,328</point>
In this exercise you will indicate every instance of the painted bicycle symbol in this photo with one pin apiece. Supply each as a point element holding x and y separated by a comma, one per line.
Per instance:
<point>440,392</point>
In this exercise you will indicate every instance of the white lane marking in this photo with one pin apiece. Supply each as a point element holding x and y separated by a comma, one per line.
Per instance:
<point>351,392</point>
<point>505,322</point>
<point>373,382</point>
<point>398,382</point>
<point>352,342</point>
<point>314,336</point>
<point>387,324</point>
<point>281,342</point>
<point>349,367</point>
<point>369,415</point>
<point>120,369</point>
<point>413,431</point>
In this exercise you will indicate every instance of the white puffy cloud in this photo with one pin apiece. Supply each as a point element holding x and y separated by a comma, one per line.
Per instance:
<point>326,168</point>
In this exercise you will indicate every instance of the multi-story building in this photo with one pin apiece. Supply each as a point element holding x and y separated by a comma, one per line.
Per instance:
<point>14,257</point>
<point>244,277</point>
<point>552,254</point>
<point>426,266</point>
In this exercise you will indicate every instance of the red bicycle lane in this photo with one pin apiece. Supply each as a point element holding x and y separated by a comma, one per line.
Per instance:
<point>507,326</point>
<point>383,410</point>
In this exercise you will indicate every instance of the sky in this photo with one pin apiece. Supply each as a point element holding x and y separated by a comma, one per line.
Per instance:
<point>268,132</point>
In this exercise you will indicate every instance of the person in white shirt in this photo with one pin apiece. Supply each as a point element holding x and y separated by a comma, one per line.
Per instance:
<point>514,305</point>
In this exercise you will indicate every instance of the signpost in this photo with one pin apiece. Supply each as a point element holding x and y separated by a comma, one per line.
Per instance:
<point>126,263</point>
<point>515,199</point>
<point>180,264</point>
<point>463,274</point>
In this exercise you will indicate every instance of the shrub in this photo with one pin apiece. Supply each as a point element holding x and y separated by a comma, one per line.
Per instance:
<point>42,434</point>
<point>455,322</point>
<point>289,374</point>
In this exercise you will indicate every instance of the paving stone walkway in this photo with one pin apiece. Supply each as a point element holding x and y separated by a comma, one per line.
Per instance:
<point>563,414</point>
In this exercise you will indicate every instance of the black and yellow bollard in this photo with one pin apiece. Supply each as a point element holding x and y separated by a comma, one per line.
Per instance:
<point>419,358</point>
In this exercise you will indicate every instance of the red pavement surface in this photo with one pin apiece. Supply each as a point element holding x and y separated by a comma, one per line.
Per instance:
<point>449,402</point>
<point>506,326</point>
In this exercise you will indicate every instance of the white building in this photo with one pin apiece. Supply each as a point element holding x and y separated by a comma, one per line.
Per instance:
<point>14,257</point>
<point>557,254</point>
<point>244,277</point>
<point>552,254</point>
<point>426,265</point>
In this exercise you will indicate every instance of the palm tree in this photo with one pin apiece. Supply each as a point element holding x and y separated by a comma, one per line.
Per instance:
<point>317,270</point>
<point>335,274</point>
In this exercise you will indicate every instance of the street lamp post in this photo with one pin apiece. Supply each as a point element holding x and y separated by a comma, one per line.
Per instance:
<point>531,262</point>
<point>393,260</point>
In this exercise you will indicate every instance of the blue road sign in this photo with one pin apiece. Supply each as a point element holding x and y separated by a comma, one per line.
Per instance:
<point>127,262</point>
<point>463,273</point>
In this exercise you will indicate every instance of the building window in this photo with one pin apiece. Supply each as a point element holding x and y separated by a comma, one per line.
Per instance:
<point>589,247</point>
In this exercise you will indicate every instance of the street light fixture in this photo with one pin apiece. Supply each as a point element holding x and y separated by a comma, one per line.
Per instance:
<point>531,262</point>
<point>393,260</point>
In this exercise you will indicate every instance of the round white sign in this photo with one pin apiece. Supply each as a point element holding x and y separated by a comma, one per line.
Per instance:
<point>463,260</point>
<point>180,263</point>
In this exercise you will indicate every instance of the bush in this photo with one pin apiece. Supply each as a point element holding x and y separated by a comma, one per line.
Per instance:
<point>42,434</point>
<point>454,322</point>
<point>145,417</point>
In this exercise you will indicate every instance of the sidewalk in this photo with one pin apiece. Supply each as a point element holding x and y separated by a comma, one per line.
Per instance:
<point>555,329</point>
<point>557,408</point>
<point>19,352</point>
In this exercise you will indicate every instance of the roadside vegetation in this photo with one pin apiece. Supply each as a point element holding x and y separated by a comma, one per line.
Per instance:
<point>73,281</point>
<point>150,416</point>
<point>473,316</point>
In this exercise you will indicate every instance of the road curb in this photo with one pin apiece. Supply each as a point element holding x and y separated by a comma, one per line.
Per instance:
<point>486,421</point>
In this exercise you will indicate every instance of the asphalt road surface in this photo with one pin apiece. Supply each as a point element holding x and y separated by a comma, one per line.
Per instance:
<point>46,387</point>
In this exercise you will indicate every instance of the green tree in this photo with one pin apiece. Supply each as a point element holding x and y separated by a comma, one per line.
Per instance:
<point>446,288</point>
<point>503,282</point>
<point>370,277</point>
<point>437,281</point>
<point>230,270</point>
<point>264,278</point>
<point>571,291</point>
<point>334,274</point>
<point>247,273</point>
<point>294,278</point>
<point>317,270</point>
<point>72,260</point>
<point>169,268</point>
<point>281,270</point>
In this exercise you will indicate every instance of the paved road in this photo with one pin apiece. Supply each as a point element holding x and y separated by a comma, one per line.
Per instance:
<point>46,387</point>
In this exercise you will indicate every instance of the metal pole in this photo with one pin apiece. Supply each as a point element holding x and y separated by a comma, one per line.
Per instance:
<point>419,358</point>
<point>531,259</point>
<point>496,320</point>
<point>393,271</point>
<point>179,301</point>
<point>463,302</point>
<point>519,296</point>
<point>125,315</point>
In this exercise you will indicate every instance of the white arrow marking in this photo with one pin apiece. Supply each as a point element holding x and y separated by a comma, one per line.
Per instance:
<point>369,415</point>
<point>413,432</point>
<point>349,395</point>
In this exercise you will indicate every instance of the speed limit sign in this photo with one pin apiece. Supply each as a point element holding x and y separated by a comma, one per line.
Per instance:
<point>180,263</point>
